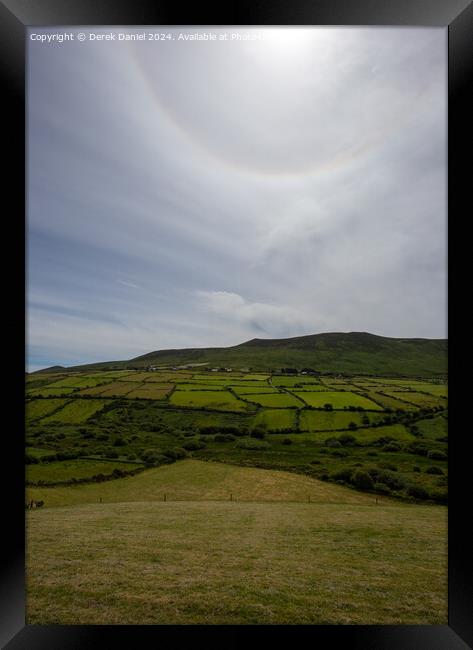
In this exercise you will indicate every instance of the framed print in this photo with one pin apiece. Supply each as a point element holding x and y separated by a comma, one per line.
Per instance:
<point>230,286</point>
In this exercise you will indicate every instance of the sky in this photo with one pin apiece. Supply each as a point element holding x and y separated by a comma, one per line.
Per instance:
<point>187,193</point>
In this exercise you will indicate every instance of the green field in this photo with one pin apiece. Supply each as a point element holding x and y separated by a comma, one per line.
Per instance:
<point>300,380</point>
<point>419,399</point>
<point>118,389</point>
<point>434,428</point>
<point>76,411</point>
<point>439,390</point>
<point>395,431</point>
<point>38,452</point>
<point>200,386</point>
<point>50,392</point>
<point>80,381</point>
<point>277,419</point>
<point>266,557</point>
<point>65,470</point>
<point>256,510</point>
<point>141,421</point>
<point>257,377</point>
<point>386,401</point>
<point>39,408</point>
<point>252,390</point>
<point>219,400</point>
<point>150,391</point>
<point>277,400</point>
<point>329,420</point>
<point>338,400</point>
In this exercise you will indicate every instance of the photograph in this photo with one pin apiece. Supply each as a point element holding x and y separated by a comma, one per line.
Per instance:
<point>236,389</point>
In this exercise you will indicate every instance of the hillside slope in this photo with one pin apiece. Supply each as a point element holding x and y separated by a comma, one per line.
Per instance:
<point>353,352</point>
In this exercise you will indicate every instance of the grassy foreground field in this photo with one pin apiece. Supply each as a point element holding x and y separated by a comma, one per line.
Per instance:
<point>340,559</point>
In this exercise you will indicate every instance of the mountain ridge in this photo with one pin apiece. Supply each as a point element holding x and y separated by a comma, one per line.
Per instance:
<point>337,352</point>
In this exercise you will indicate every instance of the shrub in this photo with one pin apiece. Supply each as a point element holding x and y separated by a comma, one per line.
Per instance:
<point>131,457</point>
<point>416,468</point>
<point>194,445</point>
<point>417,448</point>
<point>224,437</point>
<point>362,480</point>
<point>439,496</point>
<point>111,454</point>
<point>434,470</point>
<point>258,432</point>
<point>381,488</point>
<point>175,454</point>
<point>384,440</point>
<point>386,465</point>
<point>388,478</point>
<point>119,442</point>
<point>252,443</point>
<point>328,407</point>
<point>392,446</point>
<point>287,441</point>
<point>417,491</point>
<point>434,454</point>
<point>352,426</point>
<point>344,475</point>
<point>30,459</point>
<point>339,452</point>
<point>346,439</point>
<point>333,442</point>
<point>211,428</point>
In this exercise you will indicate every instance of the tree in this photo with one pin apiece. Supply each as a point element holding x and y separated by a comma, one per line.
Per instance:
<point>362,480</point>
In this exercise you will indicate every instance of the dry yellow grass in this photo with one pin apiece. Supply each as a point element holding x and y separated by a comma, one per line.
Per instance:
<point>237,563</point>
<point>195,480</point>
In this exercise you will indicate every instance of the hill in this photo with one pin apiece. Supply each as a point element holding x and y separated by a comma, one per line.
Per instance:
<point>340,559</point>
<point>195,480</point>
<point>335,352</point>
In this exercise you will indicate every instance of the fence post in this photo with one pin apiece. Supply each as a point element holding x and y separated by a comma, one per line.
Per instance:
<point>164,499</point>
<point>231,496</point>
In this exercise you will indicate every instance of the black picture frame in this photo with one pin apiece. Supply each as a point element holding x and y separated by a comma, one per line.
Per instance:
<point>15,16</point>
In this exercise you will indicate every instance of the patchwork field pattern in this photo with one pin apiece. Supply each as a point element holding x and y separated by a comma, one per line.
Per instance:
<point>268,420</point>
<point>40,408</point>
<point>202,497</point>
<point>277,400</point>
<point>334,420</point>
<point>150,391</point>
<point>277,419</point>
<point>76,411</point>
<point>219,400</point>
<point>338,400</point>
<point>51,391</point>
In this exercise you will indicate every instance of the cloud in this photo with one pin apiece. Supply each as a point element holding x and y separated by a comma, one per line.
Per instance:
<point>222,191</point>
<point>258,317</point>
